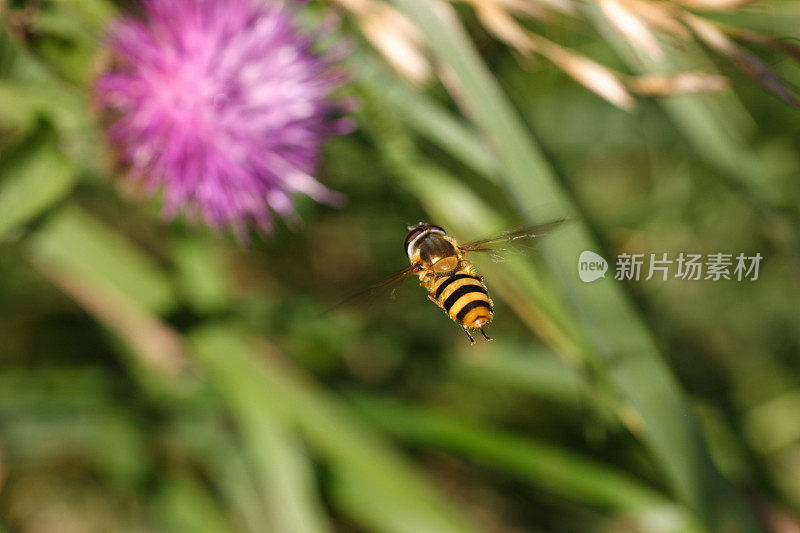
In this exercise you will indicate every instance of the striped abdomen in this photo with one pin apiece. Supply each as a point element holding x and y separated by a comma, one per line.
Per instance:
<point>464,297</point>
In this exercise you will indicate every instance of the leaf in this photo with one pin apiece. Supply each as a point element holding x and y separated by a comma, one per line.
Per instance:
<point>156,345</point>
<point>201,273</point>
<point>542,465</point>
<point>372,483</point>
<point>76,243</point>
<point>427,117</point>
<point>281,468</point>
<point>56,412</point>
<point>33,177</point>
<point>223,462</point>
<point>512,365</point>
<point>185,504</point>
<point>94,14</point>
<point>31,91</point>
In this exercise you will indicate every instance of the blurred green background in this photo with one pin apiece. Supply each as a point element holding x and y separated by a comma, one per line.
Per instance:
<point>158,376</point>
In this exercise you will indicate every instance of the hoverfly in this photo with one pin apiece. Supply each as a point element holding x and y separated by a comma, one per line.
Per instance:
<point>450,278</point>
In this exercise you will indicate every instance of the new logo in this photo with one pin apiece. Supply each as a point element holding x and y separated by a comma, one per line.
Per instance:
<point>591,266</point>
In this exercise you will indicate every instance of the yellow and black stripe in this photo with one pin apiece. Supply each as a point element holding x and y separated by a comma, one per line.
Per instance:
<point>464,298</point>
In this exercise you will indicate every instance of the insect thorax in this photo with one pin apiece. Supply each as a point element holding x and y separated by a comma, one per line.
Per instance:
<point>436,253</point>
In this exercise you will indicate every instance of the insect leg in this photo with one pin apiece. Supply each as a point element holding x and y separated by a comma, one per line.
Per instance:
<point>471,340</point>
<point>485,336</point>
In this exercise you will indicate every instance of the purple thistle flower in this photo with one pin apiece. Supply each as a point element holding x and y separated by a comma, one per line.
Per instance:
<point>221,104</point>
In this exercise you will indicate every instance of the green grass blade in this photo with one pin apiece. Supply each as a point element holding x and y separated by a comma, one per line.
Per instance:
<point>225,464</point>
<point>545,466</point>
<point>513,365</point>
<point>32,178</point>
<point>280,466</point>
<point>427,118</point>
<point>66,412</point>
<point>76,242</point>
<point>201,275</point>
<point>186,505</point>
<point>120,285</point>
<point>371,483</point>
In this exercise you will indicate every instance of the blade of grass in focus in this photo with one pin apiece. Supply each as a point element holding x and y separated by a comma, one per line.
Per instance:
<point>391,496</point>
<point>607,318</point>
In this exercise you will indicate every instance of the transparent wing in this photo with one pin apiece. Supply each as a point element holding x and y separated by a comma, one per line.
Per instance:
<point>380,287</point>
<point>495,244</point>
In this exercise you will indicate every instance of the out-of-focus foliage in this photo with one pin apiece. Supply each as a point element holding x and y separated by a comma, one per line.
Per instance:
<point>158,376</point>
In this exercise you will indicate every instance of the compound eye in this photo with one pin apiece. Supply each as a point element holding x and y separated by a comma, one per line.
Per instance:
<point>413,234</point>
<point>435,228</point>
